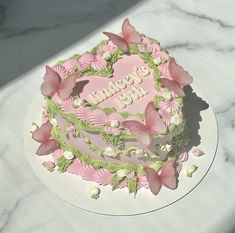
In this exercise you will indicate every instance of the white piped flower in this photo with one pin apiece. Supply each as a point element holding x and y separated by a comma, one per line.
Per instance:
<point>33,127</point>
<point>139,153</point>
<point>157,60</point>
<point>114,123</point>
<point>68,155</point>
<point>167,95</point>
<point>176,119</point>
<point>168,147</point>
<point>94,192</point>
<point>122,173</point>
<point>106,55</point>
<point>77,102</point>
<point>53,122</point>
<point>109,151</point>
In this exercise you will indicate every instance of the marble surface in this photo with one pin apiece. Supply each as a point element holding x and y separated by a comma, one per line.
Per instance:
<point>200,34</point>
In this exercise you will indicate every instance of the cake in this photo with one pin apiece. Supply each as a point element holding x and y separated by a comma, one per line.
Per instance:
<point>113,115</point>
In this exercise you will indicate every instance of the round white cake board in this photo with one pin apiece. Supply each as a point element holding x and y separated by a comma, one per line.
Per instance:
<point>75,191</point>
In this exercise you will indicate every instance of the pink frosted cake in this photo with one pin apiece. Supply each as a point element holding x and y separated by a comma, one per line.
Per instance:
<point>113,115</point>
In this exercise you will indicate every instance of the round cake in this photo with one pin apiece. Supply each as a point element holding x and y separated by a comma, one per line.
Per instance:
<point>113,115</point>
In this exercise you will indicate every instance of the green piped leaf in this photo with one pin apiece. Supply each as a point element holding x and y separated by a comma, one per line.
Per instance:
<point>157,165</point>
<point>140,116</point>
<point>132,185</point>
<point>108,111</point>
<point>156,101</point>
<point>125,114</point>
<point>116,141</point>
<point>63,163</point>
<point>115,181</point>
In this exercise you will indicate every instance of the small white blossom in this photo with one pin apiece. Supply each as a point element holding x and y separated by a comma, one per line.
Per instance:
<point>114,123</point>
<point>157,60</point>
<point>68,155</point>
<point>167,95</point>
<point>106,55</point>
<point>94,192</point>
<point>77,102</point>
<point>121,173</point>
<point>168,147</point>
<point>109,151</point>
<point>176,119</point>
<point>139,153</point>
<point>53,122</point>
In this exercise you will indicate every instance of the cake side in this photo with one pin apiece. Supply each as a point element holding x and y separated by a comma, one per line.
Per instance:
<point>116,114</point>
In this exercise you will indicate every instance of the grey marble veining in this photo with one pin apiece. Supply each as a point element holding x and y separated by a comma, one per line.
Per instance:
<point>200,34</point>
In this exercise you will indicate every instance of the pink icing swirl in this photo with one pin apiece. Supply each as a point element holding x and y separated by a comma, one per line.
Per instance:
<point>67,105</point>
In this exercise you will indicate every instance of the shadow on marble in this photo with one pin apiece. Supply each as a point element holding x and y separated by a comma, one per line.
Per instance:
<point>192,115</point>
<point>33,31</point>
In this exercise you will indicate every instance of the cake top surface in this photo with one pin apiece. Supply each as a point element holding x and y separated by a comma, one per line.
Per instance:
<point>128,79</point>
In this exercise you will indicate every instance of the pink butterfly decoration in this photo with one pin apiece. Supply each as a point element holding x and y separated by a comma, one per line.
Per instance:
<point>42,135</point>
<point>129,35</point>
<point>166,178</point>
<point>153,123</point>
<point>179,76</point>
<point>53,83</point>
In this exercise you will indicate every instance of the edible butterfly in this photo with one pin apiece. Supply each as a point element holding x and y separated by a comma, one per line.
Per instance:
<point>166,178</point>
<point>180,78</point>
<point>153,123</point>
<point>129,35</point>
<point>53,83</point>
<point>42,135</point>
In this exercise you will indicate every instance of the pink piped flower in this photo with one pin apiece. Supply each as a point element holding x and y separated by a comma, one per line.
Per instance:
<point>197,152</point>
<point>130,175</point>
<point>116,132</point>
<point>59,69</point>
<point>98,63</point>
<point>70,129</point>
<point>112,131</point>
<point>166,116</point>
<point>169,106</point>
<point>108,130</point>
<point>95,61</point>
<point>57,154</point>
<point>109,47</point>
<point>49,165</point>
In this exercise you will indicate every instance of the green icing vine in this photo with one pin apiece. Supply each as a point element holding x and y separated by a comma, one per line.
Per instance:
<point>112,167</point>
<point>63,163</point>
<point>116,141</point>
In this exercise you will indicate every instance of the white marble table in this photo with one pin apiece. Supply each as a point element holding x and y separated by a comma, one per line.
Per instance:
<point>200,34</point>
